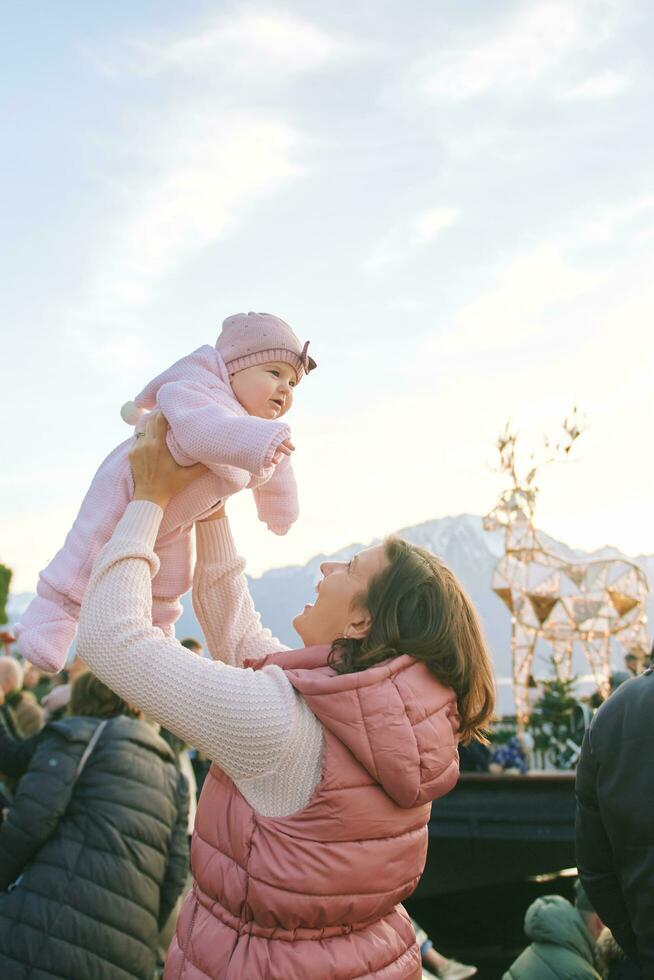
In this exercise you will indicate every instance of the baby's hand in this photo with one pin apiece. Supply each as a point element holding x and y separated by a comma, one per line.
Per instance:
<point>285,448</point>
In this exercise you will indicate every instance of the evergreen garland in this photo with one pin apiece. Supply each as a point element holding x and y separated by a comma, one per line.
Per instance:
<point>5,579</point>
<point>556,722</point>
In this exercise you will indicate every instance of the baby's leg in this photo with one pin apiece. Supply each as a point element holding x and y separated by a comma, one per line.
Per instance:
<point>174,578</point>
<point>47,628</point>
<point>49,624</point>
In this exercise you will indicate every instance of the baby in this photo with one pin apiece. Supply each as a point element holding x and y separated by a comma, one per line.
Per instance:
<point>224,406</point>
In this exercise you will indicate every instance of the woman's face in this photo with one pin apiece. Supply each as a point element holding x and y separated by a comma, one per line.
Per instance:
<point>333,615</point>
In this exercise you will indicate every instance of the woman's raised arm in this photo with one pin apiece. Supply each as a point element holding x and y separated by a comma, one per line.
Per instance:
<point>222,600</point>
<point>241,719</point>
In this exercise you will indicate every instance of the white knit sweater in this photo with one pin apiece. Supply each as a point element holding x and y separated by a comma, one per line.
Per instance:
<point>253,724</point>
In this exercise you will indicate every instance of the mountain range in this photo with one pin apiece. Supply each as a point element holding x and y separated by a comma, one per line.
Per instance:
<point>470,552</point>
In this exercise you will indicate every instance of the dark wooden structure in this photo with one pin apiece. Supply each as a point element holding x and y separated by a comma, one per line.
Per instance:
<point>494,829</point>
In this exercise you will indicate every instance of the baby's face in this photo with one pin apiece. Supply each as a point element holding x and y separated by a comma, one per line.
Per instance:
<point>265,390</point>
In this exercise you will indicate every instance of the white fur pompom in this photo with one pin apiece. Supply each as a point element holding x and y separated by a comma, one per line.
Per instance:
<point>131,413</point>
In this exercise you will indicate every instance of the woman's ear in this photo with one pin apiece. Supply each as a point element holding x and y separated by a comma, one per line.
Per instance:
<point>360,627</point>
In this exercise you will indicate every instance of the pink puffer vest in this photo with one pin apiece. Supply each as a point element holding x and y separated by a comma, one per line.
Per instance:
<point>316,894</point>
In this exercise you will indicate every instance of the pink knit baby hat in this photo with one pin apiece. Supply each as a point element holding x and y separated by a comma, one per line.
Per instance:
<point>256,338</point>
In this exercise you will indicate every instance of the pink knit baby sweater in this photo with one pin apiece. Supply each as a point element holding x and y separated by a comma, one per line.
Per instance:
<point>207,425</point>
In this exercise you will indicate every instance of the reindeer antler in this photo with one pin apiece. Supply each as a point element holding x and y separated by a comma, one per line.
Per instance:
<point>506,448</point>
<point>573,427</point>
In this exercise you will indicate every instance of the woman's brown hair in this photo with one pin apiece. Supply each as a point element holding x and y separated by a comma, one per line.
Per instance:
<point>93,699</point>
<point>418,607</point>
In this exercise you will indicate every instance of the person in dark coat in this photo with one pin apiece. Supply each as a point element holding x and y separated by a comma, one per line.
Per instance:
<point>474,757</point>
<point>91,867</point>
<point>614,826</point>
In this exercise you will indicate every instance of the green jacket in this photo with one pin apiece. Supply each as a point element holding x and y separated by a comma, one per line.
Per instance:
<point>561,947</point>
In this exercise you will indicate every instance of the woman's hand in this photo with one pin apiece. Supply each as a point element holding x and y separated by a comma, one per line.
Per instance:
<point>157,477</point>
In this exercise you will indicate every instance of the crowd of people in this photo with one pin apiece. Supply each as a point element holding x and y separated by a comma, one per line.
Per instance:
<point>123,833</point>
<point>99,806</point>
<point>119,840</point>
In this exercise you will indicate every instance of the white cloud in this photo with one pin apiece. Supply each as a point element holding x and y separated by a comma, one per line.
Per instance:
<point>409,236</point>
<point>518,53</point>
<point>611,220</point>
<point>215,166</point>
<point>606,85</point>
<point>114,350</point>
<point>513,312</point>
<point>430,224</point>
<point>253,44</point>
<point>522,51</point>
<point>207,171</point>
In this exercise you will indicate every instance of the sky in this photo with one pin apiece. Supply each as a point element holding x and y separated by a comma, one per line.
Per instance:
<point>453,201</point>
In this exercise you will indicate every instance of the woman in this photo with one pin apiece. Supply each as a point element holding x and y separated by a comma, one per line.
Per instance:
<point>311,827</point>
<point>93,861</point>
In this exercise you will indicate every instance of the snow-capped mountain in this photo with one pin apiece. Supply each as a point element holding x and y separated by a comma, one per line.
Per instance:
<point>460,541</point>
<point>471,553</point>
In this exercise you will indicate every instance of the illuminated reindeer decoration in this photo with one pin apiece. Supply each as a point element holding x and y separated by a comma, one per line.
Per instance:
<point>559,601</point>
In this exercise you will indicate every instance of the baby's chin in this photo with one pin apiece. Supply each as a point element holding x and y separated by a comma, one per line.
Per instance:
<point>268,413</point>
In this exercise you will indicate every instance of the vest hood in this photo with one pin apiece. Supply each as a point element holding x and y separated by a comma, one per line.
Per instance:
<point>397,720</point>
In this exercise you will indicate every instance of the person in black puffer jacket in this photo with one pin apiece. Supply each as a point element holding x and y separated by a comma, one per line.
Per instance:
<point>91,868</point>
<point>614,830</point>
